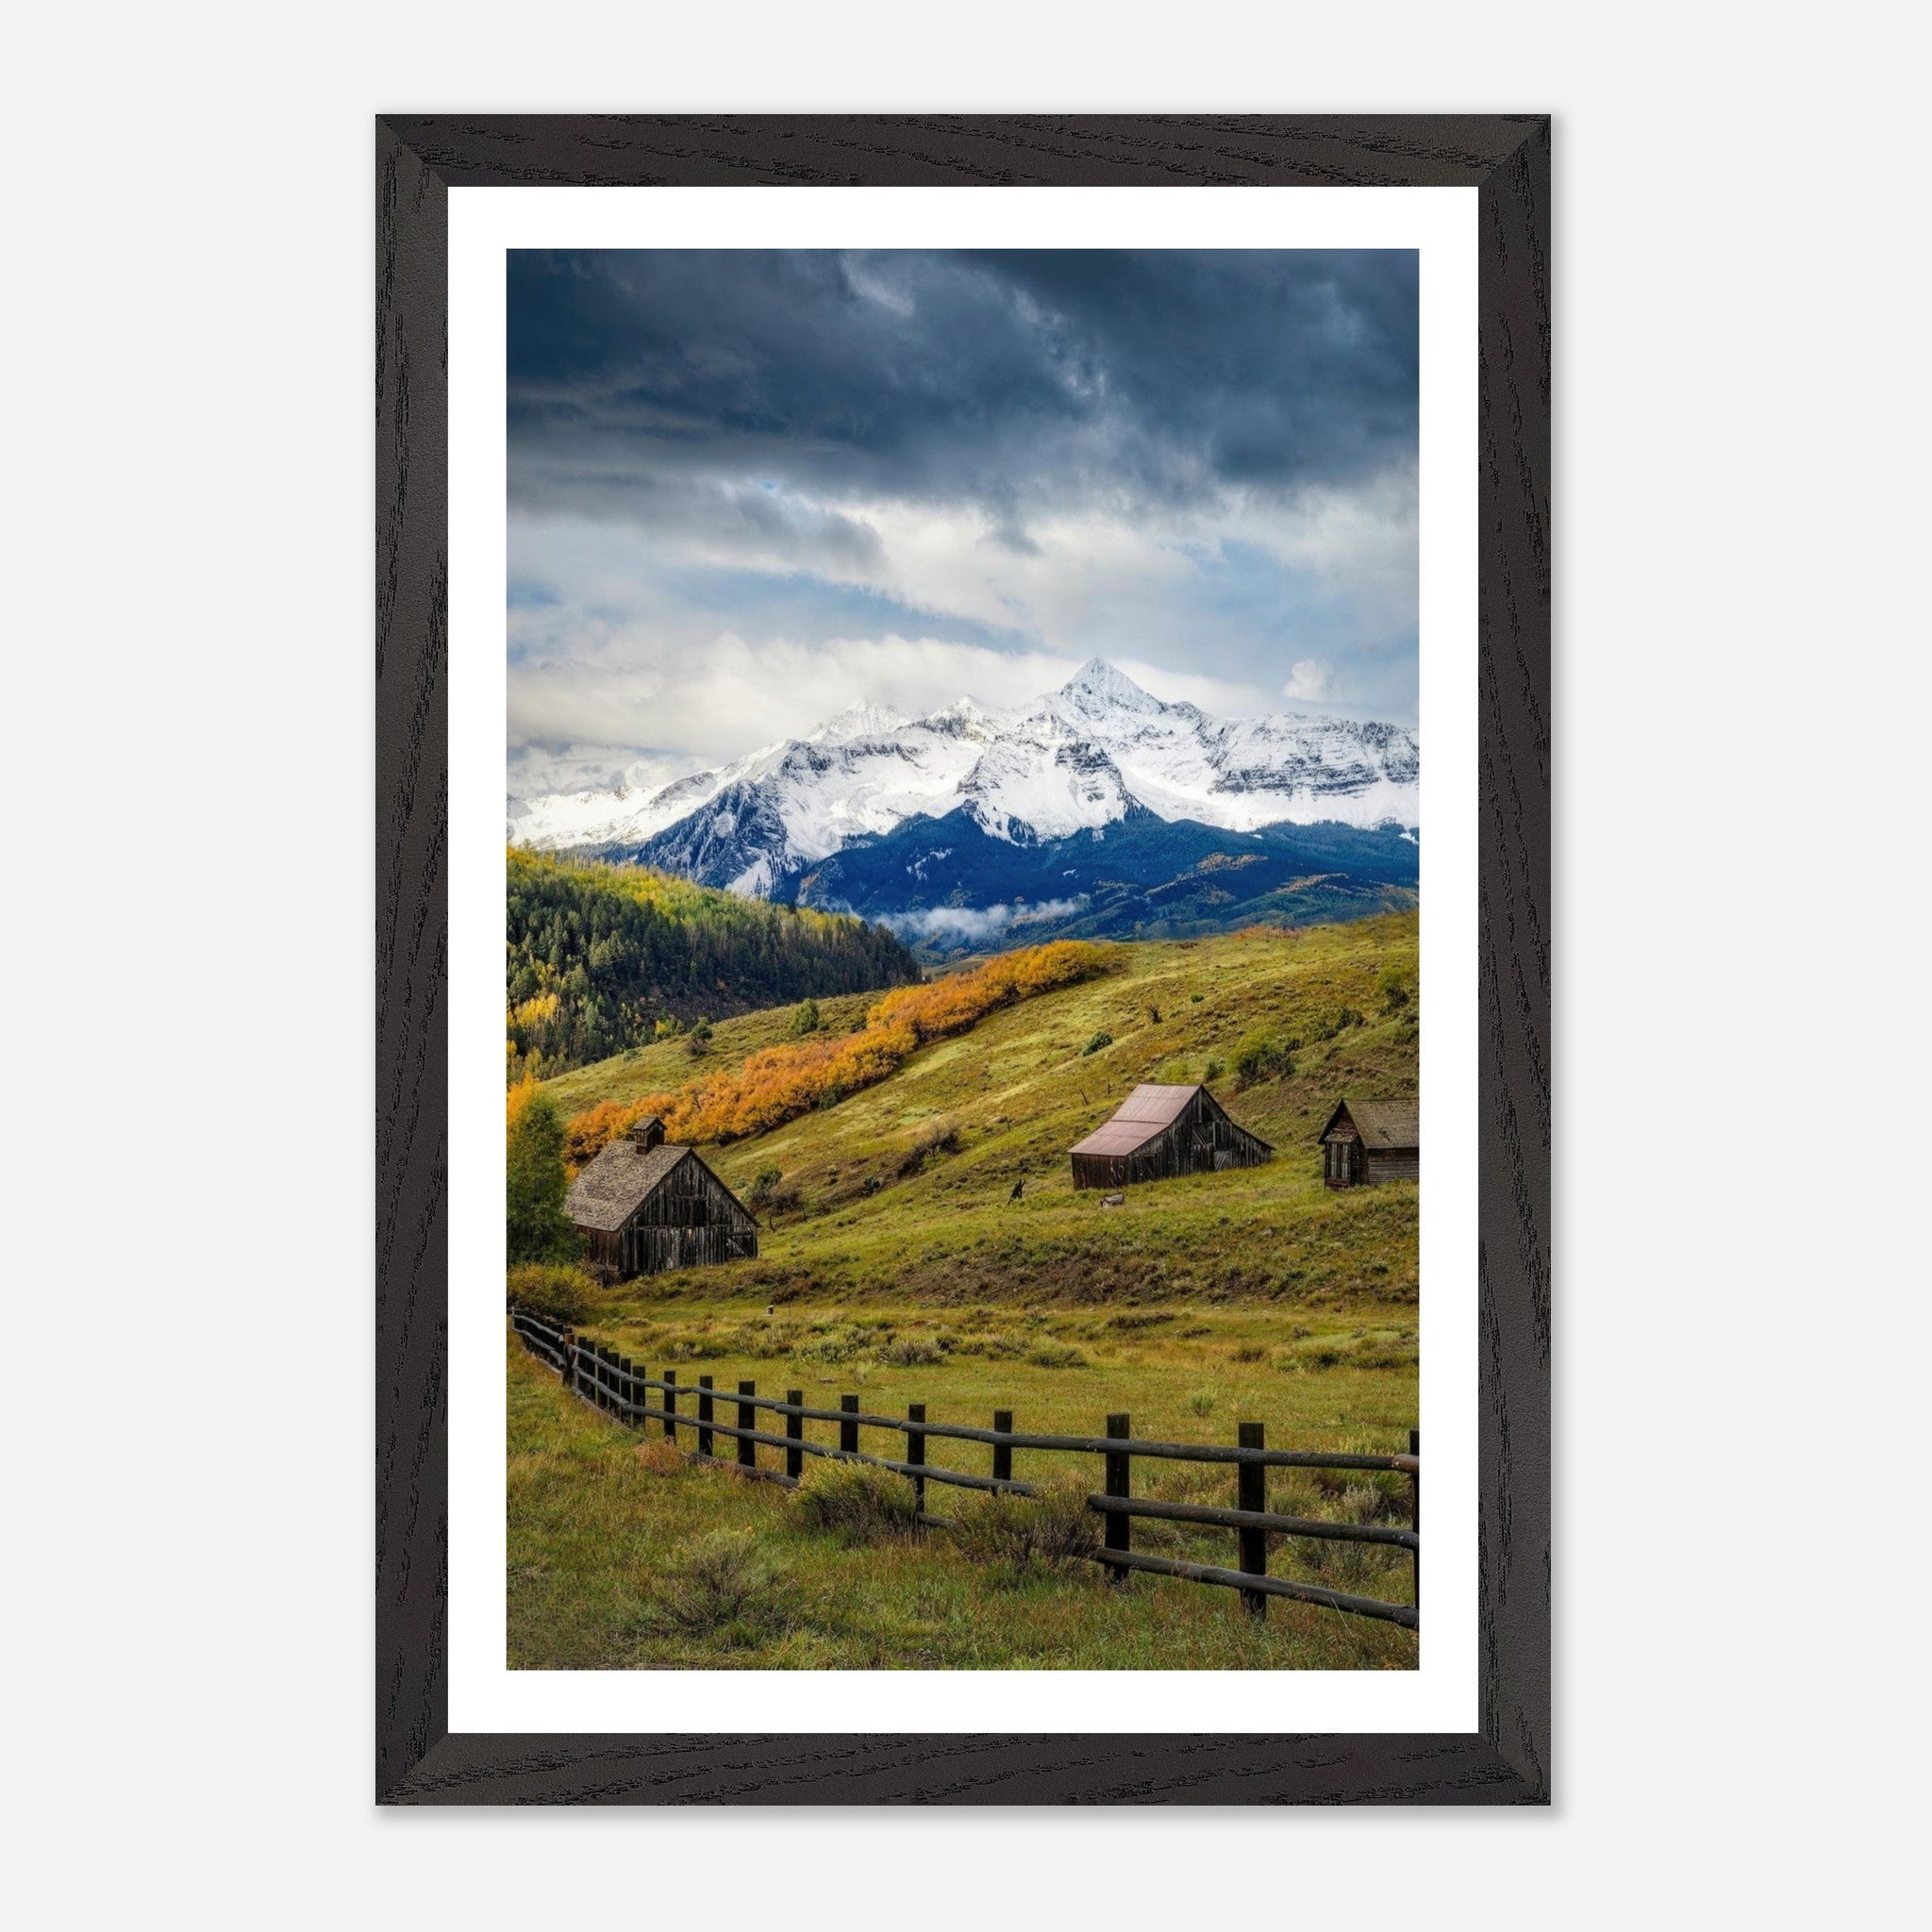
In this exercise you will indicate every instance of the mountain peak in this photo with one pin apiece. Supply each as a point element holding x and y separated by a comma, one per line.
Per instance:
<point>964,722</point>
<point>862,720</point>
<point>1099,680</point>
<point>1080,758</point>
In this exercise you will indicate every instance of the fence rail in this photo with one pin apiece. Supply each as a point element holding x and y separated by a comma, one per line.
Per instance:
<point>623,1389</point>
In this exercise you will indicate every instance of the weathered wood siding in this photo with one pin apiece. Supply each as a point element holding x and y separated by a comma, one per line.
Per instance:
<point>690,1220</point>
<point>1393,1164</point>
<point>1342,1157</point>
<point>1201,1139</point>
<point>1347,1162</point>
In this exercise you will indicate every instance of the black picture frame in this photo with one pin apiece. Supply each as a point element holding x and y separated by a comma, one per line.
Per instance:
<point>418,159</point>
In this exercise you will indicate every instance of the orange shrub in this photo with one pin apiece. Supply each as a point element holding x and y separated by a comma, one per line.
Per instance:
<point>780,1083</point>
<point>941,1007</point>
<point>590,1133</point>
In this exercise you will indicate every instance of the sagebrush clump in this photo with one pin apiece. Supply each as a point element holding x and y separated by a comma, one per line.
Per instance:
<point>1057,1355</point>
<point>723,1584</point>
<point>932,1142</point>
<point>1049,1530</point>
<point>557,1290</point>
<point>1262,1056</point>
<point>914,1351</point>
<point>858,1504</point>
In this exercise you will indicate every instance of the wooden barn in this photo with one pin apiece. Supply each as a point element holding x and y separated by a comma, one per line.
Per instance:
<point>1159,1132</point>
<point>1368,1142</point>
<point>645,1208</point>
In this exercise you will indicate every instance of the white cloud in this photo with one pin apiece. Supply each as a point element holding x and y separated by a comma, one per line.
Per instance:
<point>1311,682</point>
<point>535,771</point>
<point>704,701</point>
<point>968,923</point>
<point>1221,697</point>
<point>954,562</point>
<point>741,617</point>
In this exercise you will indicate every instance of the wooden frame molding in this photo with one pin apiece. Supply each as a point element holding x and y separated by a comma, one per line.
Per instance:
<point>418,159</point>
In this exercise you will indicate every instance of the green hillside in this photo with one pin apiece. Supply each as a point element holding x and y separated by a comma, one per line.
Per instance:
<point>600,957</point>
<point>902,1191</point>
<point>895,1265</point>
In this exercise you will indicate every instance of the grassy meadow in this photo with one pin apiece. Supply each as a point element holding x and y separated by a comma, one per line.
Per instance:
<point>610,1536</point>
<point>896,1264</point>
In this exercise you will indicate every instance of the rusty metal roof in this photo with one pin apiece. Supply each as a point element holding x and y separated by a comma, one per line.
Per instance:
<point>1382,1123</point>
<point>1157,1106</point>
<point>1117,1137</point>
<point>617,1183</point>
<point>1146,1113</point>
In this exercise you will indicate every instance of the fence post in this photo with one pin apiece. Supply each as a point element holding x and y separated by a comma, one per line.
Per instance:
<point>626,1390</point>
<point>671,1405</point>
<point>1251,1493</point>
<point>747,1419</point>
<point>1415,1511</point>
<point>794,1427</point>
<point>704,1415</point>
<point>848,1430</point>
<point>1118,1530</point>
<point>1003,1452</point>
<point>915,1452</point>
<point>567,1359</point>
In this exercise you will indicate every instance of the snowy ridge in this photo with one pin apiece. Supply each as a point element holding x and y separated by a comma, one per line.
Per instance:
<point>1079,758</point>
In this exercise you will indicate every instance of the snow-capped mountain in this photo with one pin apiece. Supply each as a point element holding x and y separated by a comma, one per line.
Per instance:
<point>1087,756</point>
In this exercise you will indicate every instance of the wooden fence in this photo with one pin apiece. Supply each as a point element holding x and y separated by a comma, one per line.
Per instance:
<point>623,1389</point>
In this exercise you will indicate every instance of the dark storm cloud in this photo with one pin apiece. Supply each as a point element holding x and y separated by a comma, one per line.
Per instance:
<point>1004,380</point>
<point>747,489</point>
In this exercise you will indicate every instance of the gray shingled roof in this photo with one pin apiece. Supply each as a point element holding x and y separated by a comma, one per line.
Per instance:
<point>610,1190</point>
<point>1383,1123</point>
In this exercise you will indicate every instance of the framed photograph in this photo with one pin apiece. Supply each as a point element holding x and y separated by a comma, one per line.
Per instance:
<point>963,713</point>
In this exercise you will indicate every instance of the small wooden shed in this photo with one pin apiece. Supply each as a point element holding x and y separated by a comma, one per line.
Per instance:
<point>645,1208</point>
<point>1159,1132</point>
<point>1368,1142</point>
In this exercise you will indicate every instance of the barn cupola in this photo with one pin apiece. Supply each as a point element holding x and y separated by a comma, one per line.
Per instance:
<point>648,1132</point>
